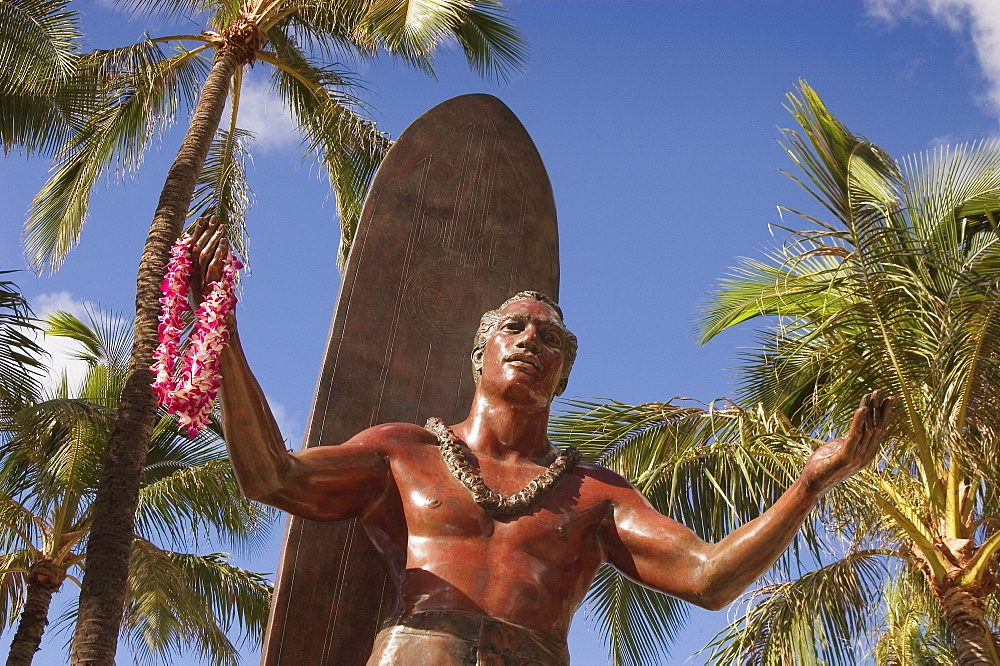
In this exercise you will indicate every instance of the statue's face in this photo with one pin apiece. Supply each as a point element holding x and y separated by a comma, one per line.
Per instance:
<point>523,358</point>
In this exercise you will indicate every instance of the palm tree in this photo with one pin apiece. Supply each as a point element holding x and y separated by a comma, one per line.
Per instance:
<point>897,290</point>
<point>39,42</point>
<point>50,458</point>
<point>145,87</point>
<point>20,365</point>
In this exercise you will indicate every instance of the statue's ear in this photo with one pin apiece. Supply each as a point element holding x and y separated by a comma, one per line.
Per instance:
<point>561,386</point>
<point>477,358</point>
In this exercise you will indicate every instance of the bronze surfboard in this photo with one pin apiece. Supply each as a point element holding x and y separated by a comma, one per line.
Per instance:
<point>459,217</point>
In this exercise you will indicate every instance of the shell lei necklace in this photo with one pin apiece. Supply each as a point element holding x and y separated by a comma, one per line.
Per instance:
<point>497,505</point>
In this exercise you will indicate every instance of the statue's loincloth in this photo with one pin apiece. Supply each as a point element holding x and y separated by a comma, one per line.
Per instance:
<point>452,638</point>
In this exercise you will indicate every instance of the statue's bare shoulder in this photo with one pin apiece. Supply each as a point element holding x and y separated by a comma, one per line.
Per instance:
<point>611,486</point>
<point>393,438</point>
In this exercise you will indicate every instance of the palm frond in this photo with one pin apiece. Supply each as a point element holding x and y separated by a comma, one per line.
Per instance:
<point>413,29</point>
<point>232,595</point>
<point>20,355</point>
<point>14,565</point>
<point>914,631</point>
<point>145,89</point>
<point>223,188</point>
<point>51,453</point>
<point>39,87</point>
<point>170,449</point>
<point>349,146</point>
<point>57,450</point>
<point>795,287</point>
<point>207,499</point>
<point>180,602</point>
<point>106,337</point>
<point>491,43</point>
<point>18,527</point>
<point>898,292</point>
<point>711,468</point>
<point>841,166</point>
<point>187,8</point>
<point>638,624</point>
<point>38,44</point>
<point>815,619</point>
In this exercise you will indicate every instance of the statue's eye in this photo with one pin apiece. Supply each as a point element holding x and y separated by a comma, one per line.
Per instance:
<point>553,339</point>
<point>513,326</point>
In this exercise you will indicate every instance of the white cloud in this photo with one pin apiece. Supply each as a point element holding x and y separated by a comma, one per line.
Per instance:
<point>978,18</point>
<point>263,113</point>
<point>60,349</point>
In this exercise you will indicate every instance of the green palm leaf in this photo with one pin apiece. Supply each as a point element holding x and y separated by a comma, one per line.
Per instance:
<point>145,89</point>
<point>50,457</point>
<point>711,468</point>
<point>349,147</point>
<point>638,624</point>
<point>914,631</point>
<point>14,565</point>
<point>898,292</point>
<point>412,29</point>
<point>203,497</point>
<point>38,44</point>
<point>182,601</point>
<point>223,188</point>
<point>20,356</point>
<point>814,619</point>
<point>39,89</point>
<point>104,338</point>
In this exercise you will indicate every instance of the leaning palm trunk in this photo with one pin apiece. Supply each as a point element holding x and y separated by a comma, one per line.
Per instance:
<point>964,614</point>
<point>104,585</point>
<point>44,580</point>
<point>143,90</point>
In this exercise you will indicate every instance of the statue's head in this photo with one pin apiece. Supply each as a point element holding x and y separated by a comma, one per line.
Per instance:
<point>490,320</point>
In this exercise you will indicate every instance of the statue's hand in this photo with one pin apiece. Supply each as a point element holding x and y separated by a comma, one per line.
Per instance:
<point>209,249</point>
<point>841,457</point>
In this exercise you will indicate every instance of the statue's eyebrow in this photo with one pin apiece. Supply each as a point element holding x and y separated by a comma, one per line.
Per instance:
<point>512,316</point>
<point>522,318</point>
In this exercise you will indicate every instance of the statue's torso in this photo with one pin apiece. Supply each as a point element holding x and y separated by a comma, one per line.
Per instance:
<point>447,553</point>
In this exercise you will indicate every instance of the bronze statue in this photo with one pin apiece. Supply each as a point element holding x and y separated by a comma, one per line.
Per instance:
<point>491,535</point>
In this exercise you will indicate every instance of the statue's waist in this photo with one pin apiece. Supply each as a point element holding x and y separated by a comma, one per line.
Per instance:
<point>468,637</point>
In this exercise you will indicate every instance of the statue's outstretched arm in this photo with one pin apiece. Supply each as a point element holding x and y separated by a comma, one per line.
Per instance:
<point>324,483</point>
<point>660,553</point>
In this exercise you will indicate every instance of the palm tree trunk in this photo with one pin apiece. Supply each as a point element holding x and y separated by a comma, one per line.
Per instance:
<point>102,596</point>
<point>44,580</point>
<point>963,612</point>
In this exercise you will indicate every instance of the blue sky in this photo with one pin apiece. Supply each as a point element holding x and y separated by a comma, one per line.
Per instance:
<point>657,122</point>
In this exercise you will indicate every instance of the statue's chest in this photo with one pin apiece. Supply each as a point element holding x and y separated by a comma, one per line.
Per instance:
<point>438,506</point>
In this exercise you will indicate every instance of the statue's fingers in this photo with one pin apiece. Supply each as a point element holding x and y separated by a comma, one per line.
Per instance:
<point>885,408</point>
<point>875,444</point>
<point>218,263</point>
<point>196,230</point>
<point>857,428</point>
<point>871,403</point>
<point>212,246</point>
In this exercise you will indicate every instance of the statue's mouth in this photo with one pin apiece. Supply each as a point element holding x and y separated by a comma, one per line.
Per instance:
<point>524,359</point>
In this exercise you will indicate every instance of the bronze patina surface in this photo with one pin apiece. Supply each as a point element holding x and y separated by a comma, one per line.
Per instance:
<point>476,586</point>
<point>459,217</point>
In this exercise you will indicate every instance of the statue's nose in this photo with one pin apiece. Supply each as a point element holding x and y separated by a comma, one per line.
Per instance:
<point>529,339</point>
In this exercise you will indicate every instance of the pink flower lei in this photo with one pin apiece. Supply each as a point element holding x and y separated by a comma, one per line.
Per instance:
<point>191,392</point>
